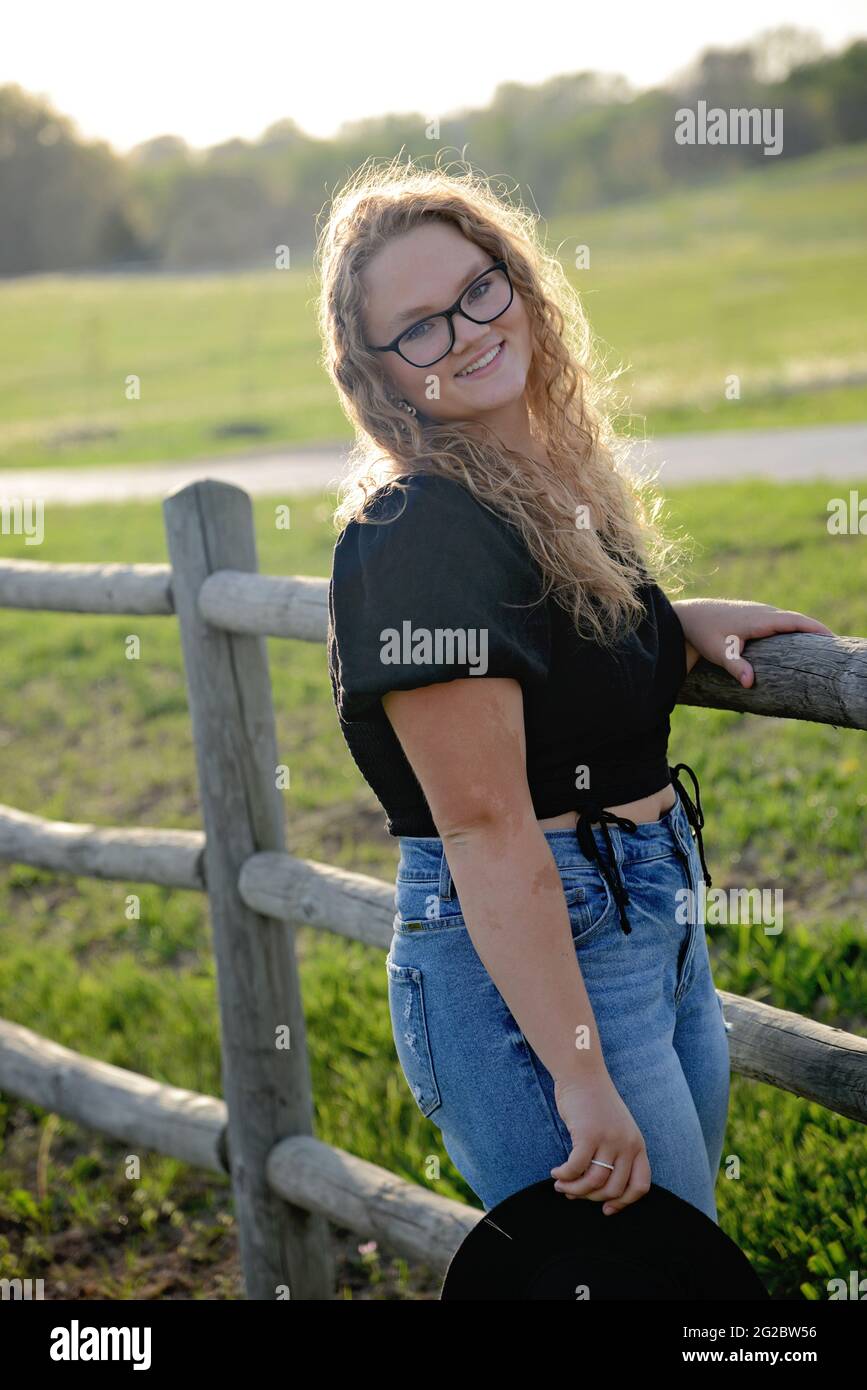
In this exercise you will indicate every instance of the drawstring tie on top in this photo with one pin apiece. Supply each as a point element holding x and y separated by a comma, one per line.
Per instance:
<point>589,848</point>
<point>694,813</point>
<point>611,870</point>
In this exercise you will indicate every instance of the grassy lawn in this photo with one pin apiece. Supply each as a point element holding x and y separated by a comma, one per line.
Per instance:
<point>88,736</point>
<point>763,279</point>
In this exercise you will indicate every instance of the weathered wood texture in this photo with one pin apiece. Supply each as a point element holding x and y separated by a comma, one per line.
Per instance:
<point>787,1050</point>
<point>170,857</point>
<point>86,588</point>
<point>306,893</point>
<point>144,1113</point>
<point>266,1083</point>
<point>350,1191</point>
<point>798,676</point>
<point>294,606</point>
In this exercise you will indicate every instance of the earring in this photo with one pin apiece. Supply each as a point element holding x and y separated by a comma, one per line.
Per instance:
<point>410,409</point>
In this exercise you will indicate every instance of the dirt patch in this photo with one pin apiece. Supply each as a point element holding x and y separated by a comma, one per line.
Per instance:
<point>189,1251</point>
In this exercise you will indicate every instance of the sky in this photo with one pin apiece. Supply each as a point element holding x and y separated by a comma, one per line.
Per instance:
<point>209,72</point>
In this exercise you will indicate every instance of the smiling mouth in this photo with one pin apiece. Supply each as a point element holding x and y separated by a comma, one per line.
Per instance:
<point>483,363</point>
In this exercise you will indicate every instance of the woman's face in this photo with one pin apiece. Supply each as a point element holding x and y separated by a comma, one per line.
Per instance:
<point>423,272</point>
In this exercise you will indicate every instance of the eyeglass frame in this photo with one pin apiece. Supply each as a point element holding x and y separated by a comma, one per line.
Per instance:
<point>449,315</point>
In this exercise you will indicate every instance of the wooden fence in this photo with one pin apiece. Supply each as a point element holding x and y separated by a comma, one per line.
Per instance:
<point>286,1184</point>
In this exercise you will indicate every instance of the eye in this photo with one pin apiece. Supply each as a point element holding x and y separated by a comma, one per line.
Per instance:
<point>415,333</point>
<point>478,291</point>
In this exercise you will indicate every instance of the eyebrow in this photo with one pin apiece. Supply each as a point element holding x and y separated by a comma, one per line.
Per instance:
<point>410,315</point>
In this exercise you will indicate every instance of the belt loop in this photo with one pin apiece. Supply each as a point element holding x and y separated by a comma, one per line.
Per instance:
<point>680,820</point>
<point>446,887</point>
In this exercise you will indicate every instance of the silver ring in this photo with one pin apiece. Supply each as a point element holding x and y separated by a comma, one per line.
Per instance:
<point>601,1164</point>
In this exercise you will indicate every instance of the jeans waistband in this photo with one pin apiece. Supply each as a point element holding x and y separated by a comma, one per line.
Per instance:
<point>615,841</point>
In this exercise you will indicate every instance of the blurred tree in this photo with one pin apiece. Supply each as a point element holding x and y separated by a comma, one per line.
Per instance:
<point>215,218</point>
<point>283,134</point>
<point>61,198</point>
<point>777,52</point>
<point>162,150</point>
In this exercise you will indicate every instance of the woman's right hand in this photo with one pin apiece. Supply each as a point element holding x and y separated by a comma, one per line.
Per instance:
<point>601,1127</point>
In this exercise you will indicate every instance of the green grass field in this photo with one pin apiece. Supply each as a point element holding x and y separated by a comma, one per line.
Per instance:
<point>763,278</point>
<point>87,735</point>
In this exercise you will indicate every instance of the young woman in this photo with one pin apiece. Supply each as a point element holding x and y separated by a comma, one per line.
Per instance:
<point>504,665</point>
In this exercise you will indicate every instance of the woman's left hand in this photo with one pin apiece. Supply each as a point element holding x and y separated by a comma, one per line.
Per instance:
<point>718,628</point>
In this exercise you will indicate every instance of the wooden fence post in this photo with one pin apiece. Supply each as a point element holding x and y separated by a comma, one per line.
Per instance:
<point>266,1086</point>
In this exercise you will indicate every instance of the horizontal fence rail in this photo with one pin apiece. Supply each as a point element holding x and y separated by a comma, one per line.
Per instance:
<point>295,606</point>
<point>173,858</point>
<point>812,1060</point>
<point>122,1104</point>
<point>86,588</point>
<point>357,1194</point>
<point>310,894</point>
<point>798,675</point>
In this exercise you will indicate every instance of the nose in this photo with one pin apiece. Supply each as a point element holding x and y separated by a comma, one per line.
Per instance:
<point>468,334</point>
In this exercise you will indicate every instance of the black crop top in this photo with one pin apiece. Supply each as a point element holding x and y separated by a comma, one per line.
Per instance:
<point>424,599</point>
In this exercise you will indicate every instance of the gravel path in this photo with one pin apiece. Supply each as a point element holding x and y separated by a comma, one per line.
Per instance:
<point>818,451</point>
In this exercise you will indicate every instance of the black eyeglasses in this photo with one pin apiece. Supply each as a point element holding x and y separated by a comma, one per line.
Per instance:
<point>431,339</point>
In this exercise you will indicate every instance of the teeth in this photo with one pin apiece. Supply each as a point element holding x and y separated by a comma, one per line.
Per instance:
<point>482,362</point>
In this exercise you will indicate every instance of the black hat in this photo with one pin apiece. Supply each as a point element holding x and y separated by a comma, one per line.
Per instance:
<point>539,1244</point>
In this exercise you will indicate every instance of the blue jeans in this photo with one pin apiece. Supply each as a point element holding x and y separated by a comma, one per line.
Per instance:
<point>473,1073</point>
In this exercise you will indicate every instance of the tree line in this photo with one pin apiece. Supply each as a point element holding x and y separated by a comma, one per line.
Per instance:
<point>575,143</point>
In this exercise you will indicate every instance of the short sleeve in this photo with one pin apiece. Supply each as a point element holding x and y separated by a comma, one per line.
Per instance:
<point>442,590</point>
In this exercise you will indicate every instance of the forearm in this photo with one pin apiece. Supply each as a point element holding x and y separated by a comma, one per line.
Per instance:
<point>513,904</point>
<point>682,609</point>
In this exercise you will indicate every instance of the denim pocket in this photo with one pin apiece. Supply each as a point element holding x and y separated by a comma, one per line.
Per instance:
<point>419,906</point>
<point>409,1029</point>
<point>588,899</point>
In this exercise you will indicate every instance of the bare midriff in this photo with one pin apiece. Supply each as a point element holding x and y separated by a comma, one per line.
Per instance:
<point>648,808</point>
